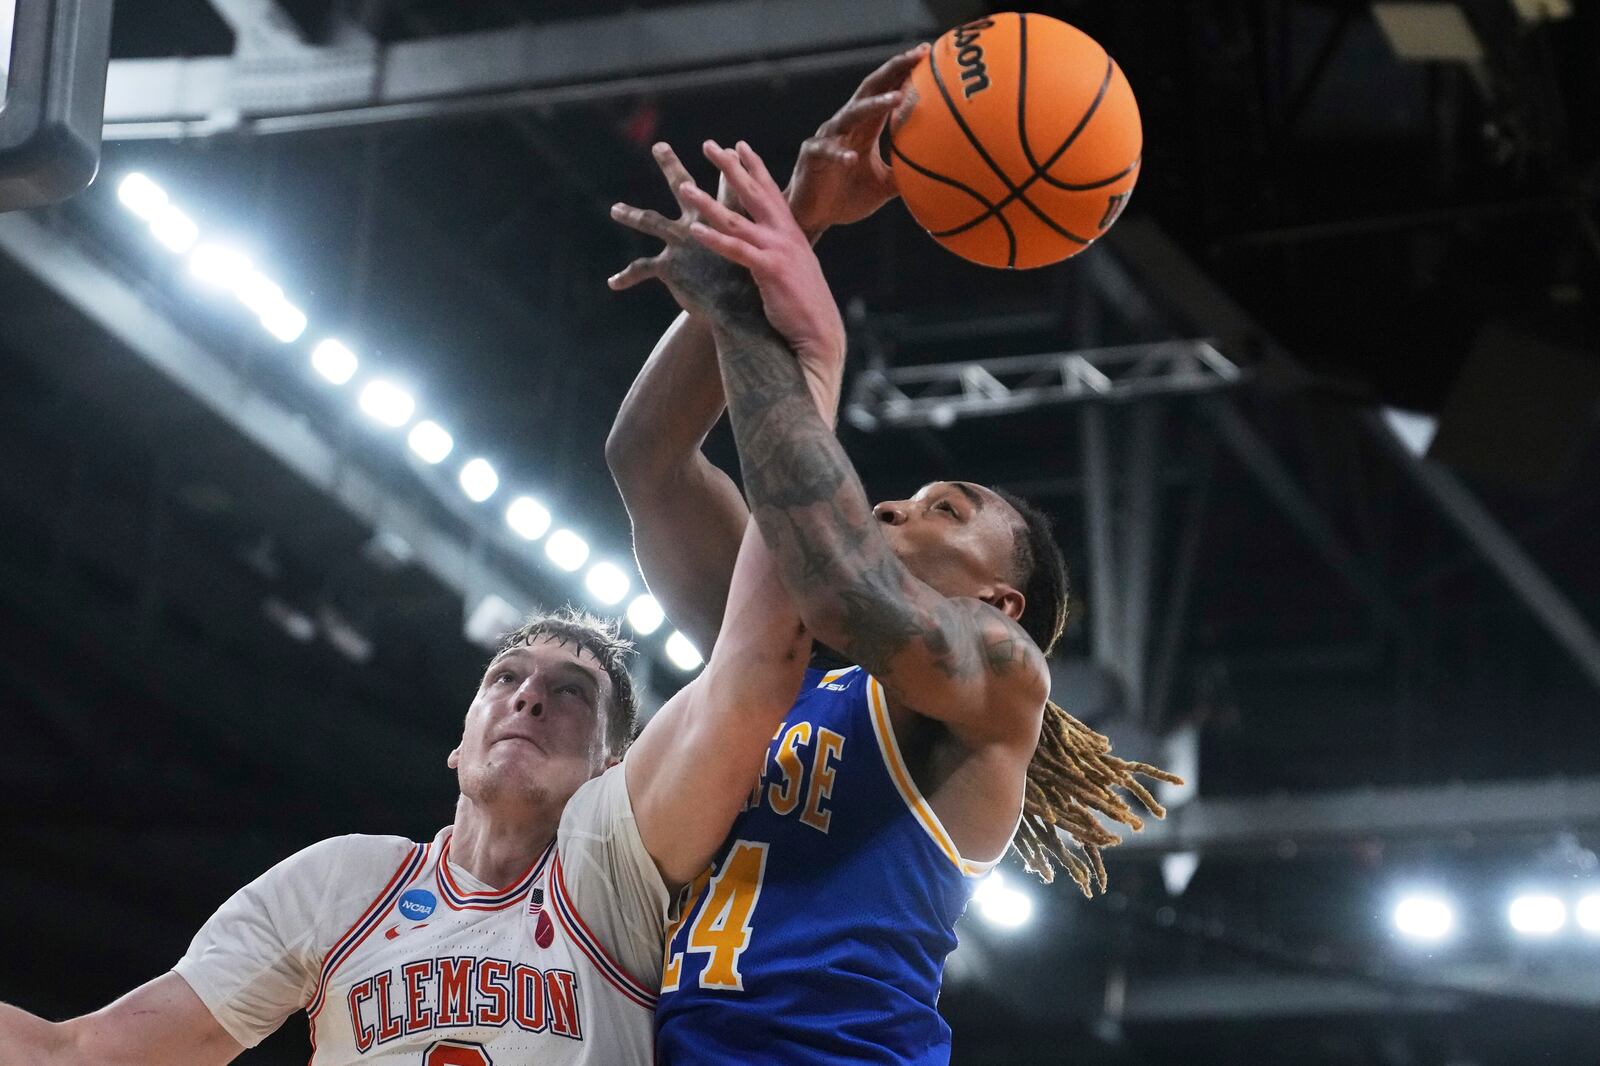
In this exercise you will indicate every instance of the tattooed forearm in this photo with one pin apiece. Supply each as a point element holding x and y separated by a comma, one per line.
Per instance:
<point>812,510</point>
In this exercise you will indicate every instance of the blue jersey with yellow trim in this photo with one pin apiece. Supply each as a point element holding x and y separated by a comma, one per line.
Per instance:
<point>820,930</point>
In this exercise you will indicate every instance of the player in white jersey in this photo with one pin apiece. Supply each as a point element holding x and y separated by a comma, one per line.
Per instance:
<point>529,932</point>
<point>438,967</point>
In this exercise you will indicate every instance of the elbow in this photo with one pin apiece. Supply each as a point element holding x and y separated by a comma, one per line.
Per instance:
<point>64,1043</point>
<point>624,449</point>
<point>634,465</point>
<point>824,617</point>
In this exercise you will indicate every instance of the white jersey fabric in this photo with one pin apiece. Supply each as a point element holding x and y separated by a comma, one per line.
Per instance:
<point>399,955</point>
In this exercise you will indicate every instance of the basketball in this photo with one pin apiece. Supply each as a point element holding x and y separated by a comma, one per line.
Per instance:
<point>1019,141</point>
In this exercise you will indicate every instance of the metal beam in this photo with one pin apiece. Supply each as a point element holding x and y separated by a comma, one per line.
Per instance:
<point>1109,277</point>
<point>940,393</point>
<point>259,26</point>
<point>1105,622</point>
<point>1428,812</point>
<point>1140,522</point>
<point>1258,997</point>
<point>1165,268</point>
<point>1175,616</point>
<point>105,299</point>
<point>1259,458</point>
<point>1443,988</point>
<point>1121,504</point>
<point>1161,262</point>
<point>1530,584</point>
<point>357,82</point>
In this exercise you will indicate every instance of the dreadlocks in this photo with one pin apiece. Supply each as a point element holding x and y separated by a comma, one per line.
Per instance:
<point>1073,776</point>
<point>1070,781</point>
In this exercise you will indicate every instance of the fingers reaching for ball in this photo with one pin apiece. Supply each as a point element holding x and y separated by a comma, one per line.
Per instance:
<point>892,73</point>
<point>858,118</point>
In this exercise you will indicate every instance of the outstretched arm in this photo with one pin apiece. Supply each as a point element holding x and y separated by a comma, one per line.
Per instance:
<point>957,660</point>
<point>157,1024</point>
<point>687,515</point>
<point>691,770</point>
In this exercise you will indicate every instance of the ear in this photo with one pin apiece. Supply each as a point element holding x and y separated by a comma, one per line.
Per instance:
<point>613,760</point>
<point>1005,599</point>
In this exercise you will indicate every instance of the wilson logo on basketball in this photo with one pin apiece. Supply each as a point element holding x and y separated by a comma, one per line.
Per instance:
<point>969,56</point>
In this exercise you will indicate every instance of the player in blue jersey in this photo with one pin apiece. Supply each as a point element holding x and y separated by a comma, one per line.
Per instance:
<point>903,771</point>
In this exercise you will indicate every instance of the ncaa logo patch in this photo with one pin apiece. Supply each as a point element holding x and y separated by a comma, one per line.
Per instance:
<point>417,904</point>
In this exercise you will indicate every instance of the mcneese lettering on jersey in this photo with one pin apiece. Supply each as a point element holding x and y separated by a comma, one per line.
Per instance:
<point>801,768</point>
<point>462,992</point>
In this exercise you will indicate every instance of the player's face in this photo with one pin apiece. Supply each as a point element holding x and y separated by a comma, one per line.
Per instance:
<point>957,537</point>
<point>536,728</point>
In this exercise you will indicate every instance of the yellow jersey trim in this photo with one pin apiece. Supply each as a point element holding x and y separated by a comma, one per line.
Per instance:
<point>903,783</point>
<point>833,675</point>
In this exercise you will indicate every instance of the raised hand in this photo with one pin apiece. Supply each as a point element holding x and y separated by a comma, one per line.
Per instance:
<point>703,283</point>
<point>770,244</point>
<point>840,176</point>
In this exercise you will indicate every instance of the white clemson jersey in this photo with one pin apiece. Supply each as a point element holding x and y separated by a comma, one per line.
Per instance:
<point>398,955</point>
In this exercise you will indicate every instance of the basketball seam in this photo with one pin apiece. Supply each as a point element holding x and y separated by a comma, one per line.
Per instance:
<point>1041,170</point>
<point>1020,196</point>
<point>1011,236</point>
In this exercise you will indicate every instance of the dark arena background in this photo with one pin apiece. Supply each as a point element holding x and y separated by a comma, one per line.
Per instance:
<point>1315,420</point>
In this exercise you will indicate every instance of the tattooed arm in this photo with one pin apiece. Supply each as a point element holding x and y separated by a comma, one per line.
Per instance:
<point>687,514</point>
<point>958,660</point>
<point>955,659</point>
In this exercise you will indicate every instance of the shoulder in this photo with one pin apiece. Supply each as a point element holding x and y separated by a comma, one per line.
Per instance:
<point>355,860</point>
<point>356,848</point>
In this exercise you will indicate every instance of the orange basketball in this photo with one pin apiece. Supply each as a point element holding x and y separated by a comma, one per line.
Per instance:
<point>1019,142</point>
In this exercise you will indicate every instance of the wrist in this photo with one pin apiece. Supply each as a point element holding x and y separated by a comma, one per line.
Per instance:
<point>725,328</point>
<point>813,229</point>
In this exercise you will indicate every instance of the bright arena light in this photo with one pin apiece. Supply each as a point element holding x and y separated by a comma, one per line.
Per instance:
<point>566,549</point>
<point>1424,917</point>
<point>284,321</point>
<point>528,517</point>
<point>174,229</point>
<point>338,364</point>
<point>478,480</point>
<point>1537,914</point>
<point>141,196</point>
<point>257,291</point>
<point>607,582</point>
<point>387,403</point>
<point>430,441</point>
<point>684,655</point>
<point>1588,913</point>
<point>219,265</point>
<point>645,615</point>
<point>1000,904</point>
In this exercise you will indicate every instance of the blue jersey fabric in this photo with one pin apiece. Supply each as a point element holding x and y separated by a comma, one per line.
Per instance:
<point>819,934</point>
